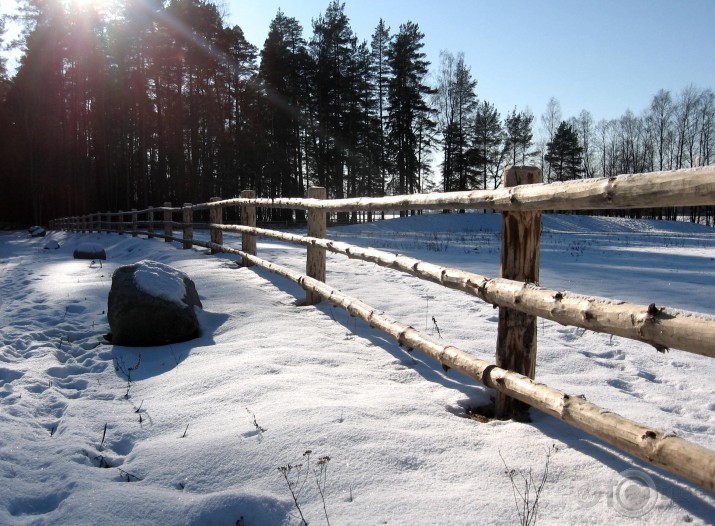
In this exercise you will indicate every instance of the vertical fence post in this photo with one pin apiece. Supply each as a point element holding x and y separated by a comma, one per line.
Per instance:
<point>168,227</point>
<point>216,218</point>
<point>187,217</point>
<point>121,222</point>
<point>248,218</point>
<point>317,227</point>
<point>516,339</point>
<point>150,222</point>
<point>108,222</point>
<point>134,223</point>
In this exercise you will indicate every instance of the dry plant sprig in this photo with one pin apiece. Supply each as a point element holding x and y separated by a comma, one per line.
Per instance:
<point>527,501</point>
<point>255,422</point>
<point>296,476</point>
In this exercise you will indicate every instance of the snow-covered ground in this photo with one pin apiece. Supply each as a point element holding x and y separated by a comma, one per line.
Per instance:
<point>200,432</point>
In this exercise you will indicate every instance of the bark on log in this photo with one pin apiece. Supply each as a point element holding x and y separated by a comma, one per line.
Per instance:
<point>248,218</point>
<point>187,216</point>
<point>689,187</point>
<point>662,327</point>
<point>516,333</point>
<point>317,228</point>
<point>665,450</point>
<point>150,222</point>
<point>216,217</point>
<point>134,222</point>
<point>168,227</point>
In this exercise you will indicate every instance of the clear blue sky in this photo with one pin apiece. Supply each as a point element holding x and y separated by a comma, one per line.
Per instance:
<point>605,56</point>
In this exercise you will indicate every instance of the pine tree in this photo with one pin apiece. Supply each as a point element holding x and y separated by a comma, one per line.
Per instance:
<point>409,116</point>
<point>456,100</point>
<point>565,154</point>
<point>519,135</point>
<point>379,46</point>
<point>331,50</point>
<point>488,142</point>
<point>284,60</point>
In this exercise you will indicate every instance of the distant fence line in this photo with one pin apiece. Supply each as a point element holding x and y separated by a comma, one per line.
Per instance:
<point>516,292</point>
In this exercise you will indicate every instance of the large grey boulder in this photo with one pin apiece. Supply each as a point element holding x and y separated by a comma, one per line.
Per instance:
<point>151,303</point>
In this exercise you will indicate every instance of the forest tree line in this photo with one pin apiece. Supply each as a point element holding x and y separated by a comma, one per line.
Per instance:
<point>163,101</point>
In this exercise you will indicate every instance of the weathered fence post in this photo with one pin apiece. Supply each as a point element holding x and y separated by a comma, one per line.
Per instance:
<point>108,222</point>
<point>516,339</point>
<point>216,218</point>
<point>150,222</point>
<point>248,218</point>
<point>187,218</point>
<point>121,222</point>
<point>317,227</point>
<point>134,222</point>
<point>168,227</point>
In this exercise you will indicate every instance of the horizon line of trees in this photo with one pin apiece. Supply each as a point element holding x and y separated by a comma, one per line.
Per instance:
<point>163,101</point>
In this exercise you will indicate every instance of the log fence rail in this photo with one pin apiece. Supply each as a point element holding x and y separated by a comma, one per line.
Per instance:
<point>516,292</point>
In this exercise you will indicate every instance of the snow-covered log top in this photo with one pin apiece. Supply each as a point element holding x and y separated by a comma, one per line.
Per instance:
<point>690,187</point>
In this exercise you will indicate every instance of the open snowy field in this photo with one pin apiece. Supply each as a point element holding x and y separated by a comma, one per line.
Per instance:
<point>199,433</point>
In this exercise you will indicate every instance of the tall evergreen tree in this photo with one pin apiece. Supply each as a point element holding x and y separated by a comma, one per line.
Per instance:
<point>284,61</point>
<point>565,153</point>
<point>242,133</point>
<point>456,101</point>
<point>331,49</point>
<point>488,142</point>
<point>37,105</point>
<point>408,111</point>
<point>379,46</point>
<point>362,127</point>
<point>519,135</point>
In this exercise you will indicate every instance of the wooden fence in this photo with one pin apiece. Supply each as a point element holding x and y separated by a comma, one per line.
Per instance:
<point>516,292</point>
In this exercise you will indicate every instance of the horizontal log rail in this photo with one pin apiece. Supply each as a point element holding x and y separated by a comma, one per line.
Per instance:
<point>663,449</point>
<point>690,187</point>
<point>662,327</point>
<point>518,297</point>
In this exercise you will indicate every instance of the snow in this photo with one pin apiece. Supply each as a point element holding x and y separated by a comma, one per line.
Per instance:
<point>161,281</point>
<point>196,431</point>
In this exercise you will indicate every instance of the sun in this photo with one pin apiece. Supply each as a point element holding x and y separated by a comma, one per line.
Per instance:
<point>90,5</point>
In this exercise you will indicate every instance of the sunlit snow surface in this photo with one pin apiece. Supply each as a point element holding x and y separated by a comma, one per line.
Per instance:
<point>198,434</point>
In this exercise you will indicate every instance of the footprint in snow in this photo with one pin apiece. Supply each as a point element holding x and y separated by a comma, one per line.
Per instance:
<point>65,371</point>
<point>75,309</point>
<point>621,386</point>
<point>7,376</point>
<point>606,355</point>
<point>648,377</point>
<point>35,505</point>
